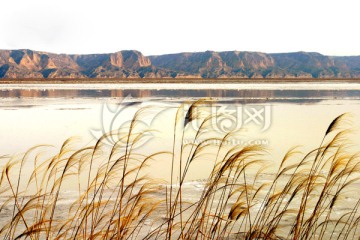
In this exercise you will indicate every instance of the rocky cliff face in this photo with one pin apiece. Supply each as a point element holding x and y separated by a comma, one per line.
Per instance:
<point>209,64</point>
<point>31,64</point>
<point>260,65</point>
<point>215,64</point>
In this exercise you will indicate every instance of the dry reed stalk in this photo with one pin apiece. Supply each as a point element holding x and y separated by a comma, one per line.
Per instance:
<point>303,199</point>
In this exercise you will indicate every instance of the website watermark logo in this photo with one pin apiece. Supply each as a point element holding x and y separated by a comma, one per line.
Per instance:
<point>130,121</point>
<point>231,118</point>
<point>230,142</point>
<point>123,124</point>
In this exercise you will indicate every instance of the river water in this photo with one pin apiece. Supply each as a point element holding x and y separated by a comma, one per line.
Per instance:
<point>276,117</point>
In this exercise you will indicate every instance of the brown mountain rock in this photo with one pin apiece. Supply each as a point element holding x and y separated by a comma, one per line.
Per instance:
<point>133,64</point>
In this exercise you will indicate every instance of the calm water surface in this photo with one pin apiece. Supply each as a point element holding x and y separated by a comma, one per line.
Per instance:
<point>277,119</point>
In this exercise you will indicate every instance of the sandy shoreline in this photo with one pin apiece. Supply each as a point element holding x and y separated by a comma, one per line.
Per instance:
<point>185,86</point>
<point>178,80</point>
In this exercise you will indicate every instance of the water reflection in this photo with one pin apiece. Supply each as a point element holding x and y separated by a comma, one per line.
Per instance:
<point>248,95</point>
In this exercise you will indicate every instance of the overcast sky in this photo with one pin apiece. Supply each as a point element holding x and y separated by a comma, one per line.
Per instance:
<point>170,26</point>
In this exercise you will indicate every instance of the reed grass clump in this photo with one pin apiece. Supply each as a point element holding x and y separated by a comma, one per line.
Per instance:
<point>309,196</point>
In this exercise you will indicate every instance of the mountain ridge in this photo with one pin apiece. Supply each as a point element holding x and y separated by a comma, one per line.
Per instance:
<point>25,63</point>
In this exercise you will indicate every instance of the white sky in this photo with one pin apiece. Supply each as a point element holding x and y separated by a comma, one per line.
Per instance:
<point>170,26</point>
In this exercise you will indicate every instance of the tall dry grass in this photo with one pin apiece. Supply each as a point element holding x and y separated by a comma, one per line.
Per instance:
<point>311,196</point>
